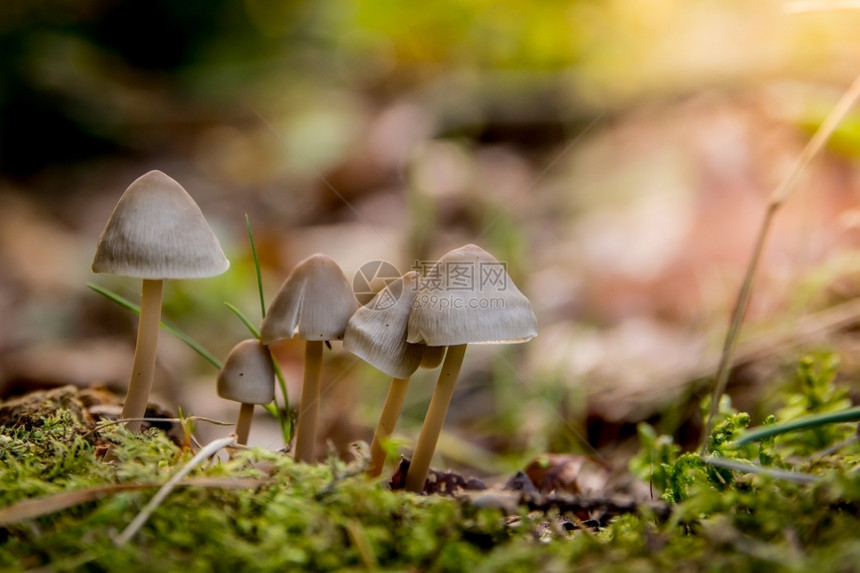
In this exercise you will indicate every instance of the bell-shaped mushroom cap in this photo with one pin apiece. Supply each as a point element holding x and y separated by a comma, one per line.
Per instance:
<point>156,231</point>
<point>248,375</point>
<point>376,333</point>
<point>315,302</point>
<point>467,297</point>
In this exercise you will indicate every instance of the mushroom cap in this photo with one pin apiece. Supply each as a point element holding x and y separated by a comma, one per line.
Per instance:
<point>248,375</point>
<point>315,302</point>
<point>376,332</point>
<point>467,297</point>
<point>156,231</point>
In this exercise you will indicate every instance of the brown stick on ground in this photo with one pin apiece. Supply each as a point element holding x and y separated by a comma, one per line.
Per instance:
<point>777,199</point>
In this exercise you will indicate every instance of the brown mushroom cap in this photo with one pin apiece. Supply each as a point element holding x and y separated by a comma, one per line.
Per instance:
<point>248,375</point>
<point>315,302</point>
<point>468,297</point>
<point>156,231</point>
<point>376,333</point>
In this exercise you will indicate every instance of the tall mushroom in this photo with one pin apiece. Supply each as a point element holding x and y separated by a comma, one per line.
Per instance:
<point>466,298</point>
<point>156,232</point>
<point>248,377</point>
<point>315,303</point>
<point>376,333</point>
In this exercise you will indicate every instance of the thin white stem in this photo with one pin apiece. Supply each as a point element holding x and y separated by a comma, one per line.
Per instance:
<point>306,430</point>
<point>243,424</point>
<point>387,421</point>
<point>209,450</point>
<point>145,352</point>
<point>435,418</point>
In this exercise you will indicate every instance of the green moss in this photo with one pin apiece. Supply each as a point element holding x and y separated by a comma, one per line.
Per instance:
<point>298,517</point>
<point>302,517</point>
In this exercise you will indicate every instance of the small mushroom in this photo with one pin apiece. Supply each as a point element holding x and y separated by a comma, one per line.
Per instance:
<point>466,298</point>
<point>376,333</point>
<point>156,232</point>
<point>248,376</point>
<point>315,303</point>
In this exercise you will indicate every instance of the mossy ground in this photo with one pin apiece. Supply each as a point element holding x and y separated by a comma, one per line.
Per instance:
<point>259,511</point>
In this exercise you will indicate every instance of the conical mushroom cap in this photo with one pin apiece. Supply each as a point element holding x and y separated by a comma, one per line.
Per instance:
<point>248,375</point>
<point>376,333</point>
<point>467,297</point>
<point>315,302</point>
<point>156,231</point>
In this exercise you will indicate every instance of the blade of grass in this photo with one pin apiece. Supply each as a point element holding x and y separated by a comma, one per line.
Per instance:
<point>849,415</point>
<point>256,266</point>
<point>735,465</point>
<point>209,450</point>
<point>127,304</point>
<point>777,199</point>
<point>251,328</point>
<point>281,413</point>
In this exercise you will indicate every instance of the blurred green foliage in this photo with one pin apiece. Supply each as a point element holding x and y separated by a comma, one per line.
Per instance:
<point>79,79</point>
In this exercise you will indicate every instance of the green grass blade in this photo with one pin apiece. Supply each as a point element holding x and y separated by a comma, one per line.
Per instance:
<point>748,468</point>
<point>251,328</point>
<point>283,417</point>
<point>256,266</point>
<point>127,304</point>
<point>849,415</point>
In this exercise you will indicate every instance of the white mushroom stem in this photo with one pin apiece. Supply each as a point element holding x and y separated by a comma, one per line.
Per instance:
<point>243,424</point>
<point>434,419</point>
<point>144,354</point>
<point>387,421</point>
<point>306,430</point>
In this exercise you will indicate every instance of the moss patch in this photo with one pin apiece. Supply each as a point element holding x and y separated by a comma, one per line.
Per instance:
<point>259,511</point>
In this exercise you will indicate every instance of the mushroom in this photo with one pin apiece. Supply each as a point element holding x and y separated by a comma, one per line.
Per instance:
<point>466,298</point>
<point>376,333</point>
<point>156,232</point>
<point>247,376</point>
<point>315,303</point>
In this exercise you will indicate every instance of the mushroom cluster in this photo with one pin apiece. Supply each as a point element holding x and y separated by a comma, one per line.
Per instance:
<point>157,232</point>
<point>413,322</point>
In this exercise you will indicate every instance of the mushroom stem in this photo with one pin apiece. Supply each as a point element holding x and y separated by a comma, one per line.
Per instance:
<point>243,424</point>
<point>306,430</point>
<point>387,421</point>
<point>434,419</point>
<point>144,354</point>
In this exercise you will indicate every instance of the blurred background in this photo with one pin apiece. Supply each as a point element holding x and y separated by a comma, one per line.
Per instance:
<point>616,154</point>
